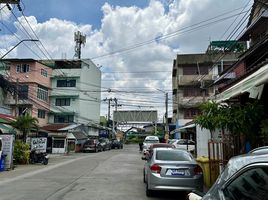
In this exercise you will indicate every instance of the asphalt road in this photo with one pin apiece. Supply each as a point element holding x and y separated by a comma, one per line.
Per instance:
<point>115,175</point>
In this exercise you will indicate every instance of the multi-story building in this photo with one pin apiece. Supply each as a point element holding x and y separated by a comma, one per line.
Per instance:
<point>76,95</point>
<point>191,76</point>
<point>31,79</point>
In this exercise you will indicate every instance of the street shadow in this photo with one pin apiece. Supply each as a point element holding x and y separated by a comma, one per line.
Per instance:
<point>168,195</point>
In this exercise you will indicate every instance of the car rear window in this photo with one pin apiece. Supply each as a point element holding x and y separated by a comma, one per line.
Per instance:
<point>151,141</point>
<point>173,155</point>
<point>89,142</point>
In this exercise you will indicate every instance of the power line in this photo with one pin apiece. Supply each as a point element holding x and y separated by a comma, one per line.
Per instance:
<point>183,30</point>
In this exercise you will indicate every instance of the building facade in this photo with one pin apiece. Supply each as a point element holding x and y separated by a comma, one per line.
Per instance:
<point>191,76</point>
<point>76,95</point>
<point>31,80</point>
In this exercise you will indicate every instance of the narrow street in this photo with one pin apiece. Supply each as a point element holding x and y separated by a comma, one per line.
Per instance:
<point>115,174</point>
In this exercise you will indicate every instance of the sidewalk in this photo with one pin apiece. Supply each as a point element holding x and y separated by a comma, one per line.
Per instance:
<point>20,170</point>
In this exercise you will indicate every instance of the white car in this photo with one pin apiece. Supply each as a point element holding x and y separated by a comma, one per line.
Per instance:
<point>185,144</point>
<point>147,143</point>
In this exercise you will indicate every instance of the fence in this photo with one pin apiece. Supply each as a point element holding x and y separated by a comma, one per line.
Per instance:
<point>219,152</point>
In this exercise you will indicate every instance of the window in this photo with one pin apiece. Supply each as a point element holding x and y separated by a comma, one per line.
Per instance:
<point>63,118</point>
<point>42,93</point>
<point>191,113</point>
<point>23,68</point>
<point>63,102</point>
<point>252,184</point>
<point>195,70</point>
<point>57,143</point>
<point>173,155</point>
<point>23,92</point>
<point>66,83</point>
<point>41,114</point>
<point>44,72</point>
<point>193,92</point>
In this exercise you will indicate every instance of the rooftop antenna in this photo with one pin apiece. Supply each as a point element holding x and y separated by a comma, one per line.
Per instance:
<point>79,40</point>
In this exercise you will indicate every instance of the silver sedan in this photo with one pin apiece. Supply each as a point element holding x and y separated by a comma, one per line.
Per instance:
<point>173,170</point>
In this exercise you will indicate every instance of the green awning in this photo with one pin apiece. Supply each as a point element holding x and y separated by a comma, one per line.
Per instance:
<point>5,128</point>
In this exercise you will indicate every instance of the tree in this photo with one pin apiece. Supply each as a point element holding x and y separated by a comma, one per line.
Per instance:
<point>25,123</point>
<point>238,119</point>
<point>214,116</point>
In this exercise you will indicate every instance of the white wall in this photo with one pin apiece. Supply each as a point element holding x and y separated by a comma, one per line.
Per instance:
<point>90,80</point>
<point>202,137</point>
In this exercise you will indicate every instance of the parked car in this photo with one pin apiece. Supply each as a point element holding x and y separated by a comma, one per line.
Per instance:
<point>105,143</point>
<point>148,141</point>
<point>244,177</point>
<point>188,145</point>
<point>116,144</point>
<point>260,150</point>
<point>147,153</point>
<point>92,145</point>
<point>172,170</point>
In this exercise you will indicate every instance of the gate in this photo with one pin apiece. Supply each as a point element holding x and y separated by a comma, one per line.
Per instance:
<point>219,152</point>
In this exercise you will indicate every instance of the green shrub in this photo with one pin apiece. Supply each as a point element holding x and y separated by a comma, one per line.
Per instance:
<point>21,152</point>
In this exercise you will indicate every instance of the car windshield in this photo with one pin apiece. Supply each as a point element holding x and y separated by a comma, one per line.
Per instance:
<point>151,141</point>
<point>173,155</point>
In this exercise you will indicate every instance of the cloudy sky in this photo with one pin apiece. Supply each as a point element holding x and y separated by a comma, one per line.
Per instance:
<point>133,42</point>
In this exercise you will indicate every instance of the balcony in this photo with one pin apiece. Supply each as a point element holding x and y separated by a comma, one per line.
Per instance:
<point>190,101</point>
<point>11,101</point>
<point>56,92</point>
<point>192,79</point>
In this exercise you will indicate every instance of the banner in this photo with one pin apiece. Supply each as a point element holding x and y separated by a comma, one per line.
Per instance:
<point>40,144</point>
<point>7,142</point>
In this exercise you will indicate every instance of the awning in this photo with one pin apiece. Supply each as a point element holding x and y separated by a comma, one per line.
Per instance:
<point>5,128</point>
<point>252,84</point>
<point>183,128</point>
<point>187,126</point>
<point>70,127</point>
<point>70,136</point>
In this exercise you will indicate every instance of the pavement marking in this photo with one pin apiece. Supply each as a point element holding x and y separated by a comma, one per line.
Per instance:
<point>40,170</point>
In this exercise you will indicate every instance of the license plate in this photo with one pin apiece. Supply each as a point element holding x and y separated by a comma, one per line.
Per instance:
<point>176,172</point>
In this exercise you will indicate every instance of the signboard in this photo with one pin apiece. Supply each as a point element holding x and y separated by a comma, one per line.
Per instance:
<point>40,144</point>
<point>7,142</point>
<point>135,116</point>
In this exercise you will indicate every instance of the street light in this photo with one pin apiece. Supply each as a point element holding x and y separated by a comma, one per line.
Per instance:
<point>25,40</point>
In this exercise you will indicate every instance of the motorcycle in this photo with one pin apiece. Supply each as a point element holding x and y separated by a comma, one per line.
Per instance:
<point>38,157</point>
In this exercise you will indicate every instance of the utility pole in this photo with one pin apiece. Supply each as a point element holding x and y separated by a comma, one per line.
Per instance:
<point>16,97</point>
<point>166,115</point>
<point>109,109</point>
<point>79,40</point>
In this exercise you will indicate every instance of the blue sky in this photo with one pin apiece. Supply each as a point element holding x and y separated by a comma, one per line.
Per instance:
<point>79,11</point>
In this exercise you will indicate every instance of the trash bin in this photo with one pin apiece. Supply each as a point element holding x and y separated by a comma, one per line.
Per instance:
<point>2,163</point>
<point>203,161</point>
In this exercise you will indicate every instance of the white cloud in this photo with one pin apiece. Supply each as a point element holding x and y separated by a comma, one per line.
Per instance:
<point>123,27</point>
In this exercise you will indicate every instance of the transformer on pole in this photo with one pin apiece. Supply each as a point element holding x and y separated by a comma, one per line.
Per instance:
<point>79,40</point>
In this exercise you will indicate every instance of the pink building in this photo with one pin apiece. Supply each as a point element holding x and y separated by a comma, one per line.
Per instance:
<point>32,80</point>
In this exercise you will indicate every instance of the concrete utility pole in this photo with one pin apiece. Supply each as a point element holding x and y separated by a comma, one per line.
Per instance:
<point>16,97</point>
<point>79,40</point>
<point>166,115</point>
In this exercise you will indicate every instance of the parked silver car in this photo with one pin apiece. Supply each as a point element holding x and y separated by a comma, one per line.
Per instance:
<point>173,170</point>
<point>244,177</point>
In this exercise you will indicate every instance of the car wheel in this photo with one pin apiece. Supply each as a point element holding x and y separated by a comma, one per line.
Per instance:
<point>149,193</point>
